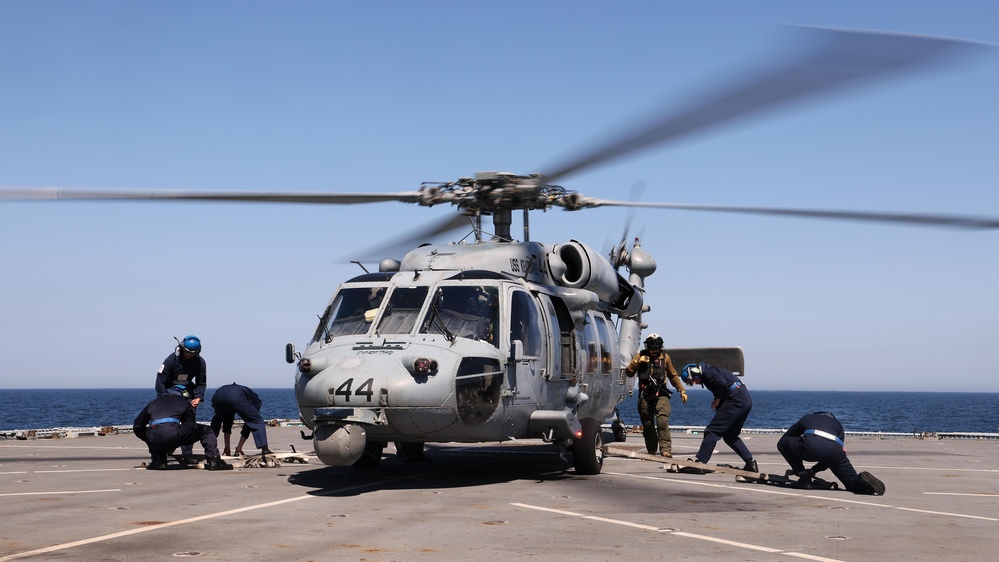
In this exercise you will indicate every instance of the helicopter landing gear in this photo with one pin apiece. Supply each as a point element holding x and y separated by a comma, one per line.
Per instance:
<point>411,452</point>
<point>371,456</point>
<point>617,427</point>
<point>620,433</point>
<point>588,450</point>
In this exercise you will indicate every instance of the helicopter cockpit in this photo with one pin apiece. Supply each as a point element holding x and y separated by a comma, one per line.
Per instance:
<point>457,309</point>
<point>352,311</point>
<point>464,311</point>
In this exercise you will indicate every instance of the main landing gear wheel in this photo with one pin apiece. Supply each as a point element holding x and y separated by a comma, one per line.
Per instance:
<point>588,450</point>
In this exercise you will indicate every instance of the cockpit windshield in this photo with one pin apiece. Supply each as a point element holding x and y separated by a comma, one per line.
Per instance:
<point>350,313</point>
<point>402,310</point>
<point>464,311</point>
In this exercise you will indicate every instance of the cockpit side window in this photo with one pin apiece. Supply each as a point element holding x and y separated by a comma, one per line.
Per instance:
<point>464,311</point>
<point>591,342</point>
<point>350,313</point>
<point>606,362</point>
<point>402,310</point>
<point>524,323</point>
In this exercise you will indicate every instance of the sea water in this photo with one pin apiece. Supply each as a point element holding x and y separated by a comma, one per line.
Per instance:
<point>890,412</point>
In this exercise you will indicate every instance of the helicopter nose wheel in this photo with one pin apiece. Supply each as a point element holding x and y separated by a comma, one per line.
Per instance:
<point>588,450</point>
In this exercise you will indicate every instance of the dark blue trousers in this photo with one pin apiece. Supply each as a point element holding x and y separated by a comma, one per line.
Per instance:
<point>826,453</point>
<point>165,437</point>
<point>727,425</point>
<point>228,402</point>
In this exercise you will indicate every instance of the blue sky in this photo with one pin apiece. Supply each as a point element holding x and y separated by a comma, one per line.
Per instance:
<point>381,96</point>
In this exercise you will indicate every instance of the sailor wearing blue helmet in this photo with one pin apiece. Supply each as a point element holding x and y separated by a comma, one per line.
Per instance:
<point>732,405</point>
<point>186,368</point>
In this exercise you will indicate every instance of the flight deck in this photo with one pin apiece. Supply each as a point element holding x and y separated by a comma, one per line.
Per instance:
<point>85,498</point>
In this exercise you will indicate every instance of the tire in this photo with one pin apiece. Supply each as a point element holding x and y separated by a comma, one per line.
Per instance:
<point>371,456</point>
<point>588,450</point>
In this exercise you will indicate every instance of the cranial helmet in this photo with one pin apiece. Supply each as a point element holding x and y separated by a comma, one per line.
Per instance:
<point>691,371</point>
<point>654,341</point>
<point>179,391</point>
<point>191,344</point>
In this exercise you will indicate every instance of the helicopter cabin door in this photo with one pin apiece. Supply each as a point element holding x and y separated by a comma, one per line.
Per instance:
<point>528,348</point>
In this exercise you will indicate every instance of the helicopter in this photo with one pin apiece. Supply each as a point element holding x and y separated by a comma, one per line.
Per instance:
<point>498,339</point>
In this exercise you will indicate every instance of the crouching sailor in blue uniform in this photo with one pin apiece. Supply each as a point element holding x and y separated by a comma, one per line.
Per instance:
<point>169,422</point>
<point>819,438</point>
<point>732,405</point>
<point>233,399</point>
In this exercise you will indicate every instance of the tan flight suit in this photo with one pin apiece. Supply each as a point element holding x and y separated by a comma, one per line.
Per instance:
<point>653,398</point>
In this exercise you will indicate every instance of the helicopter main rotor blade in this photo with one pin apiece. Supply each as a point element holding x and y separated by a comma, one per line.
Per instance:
<point>54,193</point>
<point>838,58</point>
<point>918,219</point>
<point>408,241</point>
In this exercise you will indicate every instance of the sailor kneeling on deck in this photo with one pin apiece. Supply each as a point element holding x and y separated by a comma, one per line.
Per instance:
<point>819,438</point>
<point>168,422</point>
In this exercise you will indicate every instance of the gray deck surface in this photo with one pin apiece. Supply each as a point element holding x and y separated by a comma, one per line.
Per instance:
<point>85,499</point>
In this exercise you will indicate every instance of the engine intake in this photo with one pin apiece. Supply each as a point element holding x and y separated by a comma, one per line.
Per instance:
<point>577,266</point>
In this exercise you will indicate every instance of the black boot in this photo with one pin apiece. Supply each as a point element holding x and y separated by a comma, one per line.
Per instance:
<point>157,463</point>
<point>751,466</point>
<point>216,463</point>
<point>867,484</point>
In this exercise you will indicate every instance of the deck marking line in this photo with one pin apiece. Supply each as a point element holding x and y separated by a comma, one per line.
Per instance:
<point>728,542</point>
<point>960,494</point>
<point>81,470</point>
<point>676,533</point>
<point>624,523</point>
<point>64,546</point>
<point>76,447</point>
<point>316,494</point>
<point>810,556</point>
<point>948,514</point>
<point>809,496</point>
<point>56,493</point>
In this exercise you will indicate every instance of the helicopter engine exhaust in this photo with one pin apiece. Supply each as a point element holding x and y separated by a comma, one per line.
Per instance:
<point>577,266</point>
<point>339,445</point>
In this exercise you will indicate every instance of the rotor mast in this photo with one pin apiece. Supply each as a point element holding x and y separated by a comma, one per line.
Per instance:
<point>498,194</point>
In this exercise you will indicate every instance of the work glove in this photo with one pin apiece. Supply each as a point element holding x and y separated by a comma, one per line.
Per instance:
<point>683,397</point>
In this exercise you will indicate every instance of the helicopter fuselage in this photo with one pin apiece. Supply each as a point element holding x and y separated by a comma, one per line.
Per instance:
<point>467,343</point>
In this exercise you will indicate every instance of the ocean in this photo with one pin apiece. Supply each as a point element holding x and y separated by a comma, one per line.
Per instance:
<point>890,412</point>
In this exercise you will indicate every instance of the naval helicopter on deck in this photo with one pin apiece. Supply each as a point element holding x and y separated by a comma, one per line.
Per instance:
<point>500,339</point>
<point>488,341</point>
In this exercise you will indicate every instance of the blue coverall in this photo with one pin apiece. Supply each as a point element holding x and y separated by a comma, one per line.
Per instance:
<point>818,438</point>
<point>233,399</point>
<point>191,373</point>
<point>734,405</point>
<point>169,422</point>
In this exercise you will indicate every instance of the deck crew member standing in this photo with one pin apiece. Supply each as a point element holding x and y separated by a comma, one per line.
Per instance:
<point>732,405</point>
<point>819,438</point>
<point>186,368</point>
<point>653,366</point>
<point>233,399</point>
